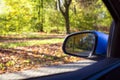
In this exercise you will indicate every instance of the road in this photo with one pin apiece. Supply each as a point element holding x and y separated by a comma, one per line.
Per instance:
<point>46,70</point>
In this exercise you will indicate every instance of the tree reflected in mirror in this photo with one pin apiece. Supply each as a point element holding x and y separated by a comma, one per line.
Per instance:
<point>80,44</point>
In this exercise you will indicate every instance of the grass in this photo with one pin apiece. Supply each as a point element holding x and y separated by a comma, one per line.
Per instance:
<point>30,43</point>
<point>29,39</point>
<point>30,36</point>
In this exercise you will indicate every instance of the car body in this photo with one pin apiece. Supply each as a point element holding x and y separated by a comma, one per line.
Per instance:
<point>102,43</point>
<point>107,69</point>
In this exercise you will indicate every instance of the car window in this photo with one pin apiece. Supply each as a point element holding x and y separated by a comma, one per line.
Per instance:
<point>32,33</point>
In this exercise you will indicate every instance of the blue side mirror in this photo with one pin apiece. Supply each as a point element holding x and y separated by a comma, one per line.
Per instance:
<point>102,42</point>
<point>86,44</point>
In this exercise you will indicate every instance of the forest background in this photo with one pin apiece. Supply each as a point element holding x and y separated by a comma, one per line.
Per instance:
<point>23,16</point>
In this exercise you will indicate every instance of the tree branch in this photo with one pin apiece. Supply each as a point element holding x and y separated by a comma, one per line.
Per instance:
<point>68,2</point>
<point>59,3</point>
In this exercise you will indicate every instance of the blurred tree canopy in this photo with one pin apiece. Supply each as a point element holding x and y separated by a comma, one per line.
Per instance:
<point>18,16</point>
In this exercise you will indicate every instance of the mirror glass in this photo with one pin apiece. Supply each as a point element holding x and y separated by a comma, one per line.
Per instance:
<point>80,44</point>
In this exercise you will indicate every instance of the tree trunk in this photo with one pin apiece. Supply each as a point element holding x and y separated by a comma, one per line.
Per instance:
<point>39,15</point>
<point>67,22</point>
<point>65,13</point>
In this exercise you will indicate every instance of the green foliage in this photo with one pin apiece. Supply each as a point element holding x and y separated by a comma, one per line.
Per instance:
<point>18,16</point>
<point>90,17</point>
<point>30,43</point>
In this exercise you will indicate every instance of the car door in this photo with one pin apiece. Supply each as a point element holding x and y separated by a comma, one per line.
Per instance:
<point>101,68</point>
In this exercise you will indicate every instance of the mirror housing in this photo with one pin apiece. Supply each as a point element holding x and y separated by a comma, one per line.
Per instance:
<point>86,44</point>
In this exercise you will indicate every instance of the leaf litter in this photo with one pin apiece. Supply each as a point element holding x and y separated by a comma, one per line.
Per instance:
<point>32,57</point>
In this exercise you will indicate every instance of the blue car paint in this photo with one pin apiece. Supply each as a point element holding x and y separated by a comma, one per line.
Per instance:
<point>102,42</point>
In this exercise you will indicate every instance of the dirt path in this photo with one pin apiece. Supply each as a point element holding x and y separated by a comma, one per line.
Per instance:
<point>9,39</point>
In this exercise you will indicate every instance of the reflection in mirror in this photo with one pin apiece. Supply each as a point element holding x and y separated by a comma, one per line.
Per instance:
<point>80,44</point>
